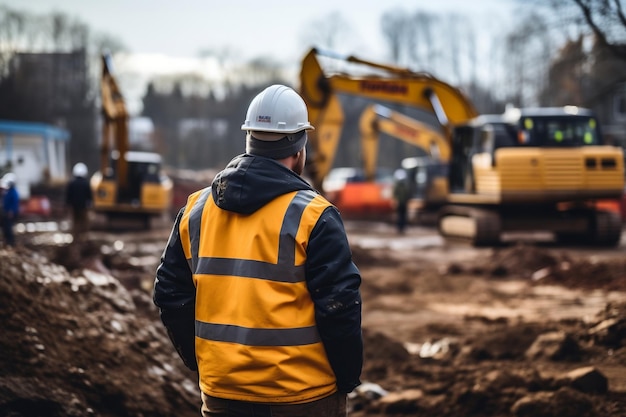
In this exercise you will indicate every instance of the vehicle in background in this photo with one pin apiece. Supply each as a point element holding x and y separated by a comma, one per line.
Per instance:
<point>377,119</point>
<point>320,88</point>
<point>425,174</point>
<point>129,184</point>
<point>541,169</point>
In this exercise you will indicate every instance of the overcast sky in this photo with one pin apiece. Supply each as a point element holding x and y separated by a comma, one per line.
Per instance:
<point>250,28</point>
<point>168,35</point>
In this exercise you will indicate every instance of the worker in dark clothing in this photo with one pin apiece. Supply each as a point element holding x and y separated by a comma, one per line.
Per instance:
<point>79,199</point>
<point>401,196</point>
<point>10,207</point>
<point>257,287</point>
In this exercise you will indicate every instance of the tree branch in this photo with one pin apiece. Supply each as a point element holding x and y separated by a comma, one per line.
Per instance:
<point>620,12</point>
<point>618,50</point>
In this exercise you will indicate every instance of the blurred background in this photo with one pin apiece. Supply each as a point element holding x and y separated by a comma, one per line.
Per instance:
<point>188,69</point>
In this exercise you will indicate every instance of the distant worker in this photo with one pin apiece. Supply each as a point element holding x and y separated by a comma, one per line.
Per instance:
<point>79,198</point>
<point>257,287</point>
<point>10,208</point>
<point>401,195</point>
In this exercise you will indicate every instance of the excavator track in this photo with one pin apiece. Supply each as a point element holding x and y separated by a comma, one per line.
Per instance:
<point>479,226</point>
<point>607,230</point>
<point>604,229</point>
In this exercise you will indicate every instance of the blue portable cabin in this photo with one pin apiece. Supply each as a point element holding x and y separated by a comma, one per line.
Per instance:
<point>35,152</point>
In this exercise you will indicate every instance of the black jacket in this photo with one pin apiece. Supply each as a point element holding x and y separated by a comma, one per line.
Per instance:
<point>245,185</point>
<point>78,193</point>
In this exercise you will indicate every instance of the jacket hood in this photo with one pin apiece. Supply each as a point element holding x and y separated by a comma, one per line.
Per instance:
<point>249,182</point>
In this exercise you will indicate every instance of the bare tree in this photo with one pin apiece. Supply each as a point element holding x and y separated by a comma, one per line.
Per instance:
<point>454,39</point>
<point>12,25</point>
<point>607,21</point>
<point>424,50</point>
<point>329,32</point>
<point>398,33</point>
<point>55,78</point>
<point>54,32</point>
<point>526,61</point>
<point>102,42</point>
<point>261,70</point>
<point>566,76</point>
<point>441,45</point>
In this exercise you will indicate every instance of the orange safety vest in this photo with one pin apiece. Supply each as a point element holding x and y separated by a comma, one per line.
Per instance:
<point>256,336</point>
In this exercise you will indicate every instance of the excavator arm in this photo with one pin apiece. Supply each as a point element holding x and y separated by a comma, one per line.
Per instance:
<point>115,124</point>
<point>378,82</point>
<point>378,119</point>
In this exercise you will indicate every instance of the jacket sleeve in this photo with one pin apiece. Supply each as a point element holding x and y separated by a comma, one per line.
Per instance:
<point>175,295</point>
<point>333,281</point>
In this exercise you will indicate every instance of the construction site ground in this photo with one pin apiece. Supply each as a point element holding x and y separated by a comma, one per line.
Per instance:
<point>527,328</point>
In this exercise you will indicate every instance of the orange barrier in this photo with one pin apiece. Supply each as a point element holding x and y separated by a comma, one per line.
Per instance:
<point>364,199</point>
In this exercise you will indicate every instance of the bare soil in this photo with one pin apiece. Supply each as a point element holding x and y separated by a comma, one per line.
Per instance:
<point>524,329</point>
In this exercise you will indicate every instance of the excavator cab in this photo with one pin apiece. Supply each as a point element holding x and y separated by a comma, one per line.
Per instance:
<point>558,132</point>
<point>555,127</point>
<point>486,142</point>
<point>484,134</point>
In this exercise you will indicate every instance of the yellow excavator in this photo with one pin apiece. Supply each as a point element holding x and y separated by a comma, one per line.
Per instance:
<point>527,169</point>
<point>369,193</point>
<point>380,83</point>
<point>377,119</point>
<point>129,184</point>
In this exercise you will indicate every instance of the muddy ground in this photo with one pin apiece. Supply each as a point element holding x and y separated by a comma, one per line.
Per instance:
<point>524,329</point>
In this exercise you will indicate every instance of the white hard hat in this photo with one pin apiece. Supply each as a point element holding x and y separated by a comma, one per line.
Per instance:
<point>80,170</point>
<point>400,174</point>
<point>8,179</point>
<point>277,109</point>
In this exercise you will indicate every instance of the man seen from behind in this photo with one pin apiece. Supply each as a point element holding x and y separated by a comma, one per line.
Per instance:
<point>256,287</point>
<point>79,198</point>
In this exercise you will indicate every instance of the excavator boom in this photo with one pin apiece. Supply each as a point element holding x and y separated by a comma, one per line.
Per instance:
<point>380,83</point>
<point>115,125</point>
<point>378,119</point>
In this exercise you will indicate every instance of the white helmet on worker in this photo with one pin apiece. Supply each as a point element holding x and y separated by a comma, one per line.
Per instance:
<point>80,170</point>
<point>276,123</point>
<point>399,174</point>
<point>8,179</point>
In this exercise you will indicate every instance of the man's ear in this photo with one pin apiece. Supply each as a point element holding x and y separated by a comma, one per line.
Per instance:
<point>294,159</point>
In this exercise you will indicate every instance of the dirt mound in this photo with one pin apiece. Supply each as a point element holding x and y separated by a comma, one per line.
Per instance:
<point>76,345</point>
<point>491,365</point>
<point>521,260</point>
<point>371,257</point>
<point>549,267</point>
<point>509,370</point>
<point>89,341</point>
